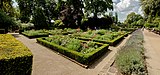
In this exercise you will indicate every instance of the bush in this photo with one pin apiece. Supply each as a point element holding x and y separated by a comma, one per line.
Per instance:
<point>130,58</point>
<point>15,58</point>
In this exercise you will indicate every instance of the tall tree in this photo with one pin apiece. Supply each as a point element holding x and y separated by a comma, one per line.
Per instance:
<point>6,6</point>
<point>116,17</point>
<point>151,7</point>
<point>25,9</point>
<point>132,19</point>
<point>72,12</point>
<point>98,6</point>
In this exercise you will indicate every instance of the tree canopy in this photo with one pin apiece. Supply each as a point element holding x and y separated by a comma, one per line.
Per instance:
<point>151,7</point>
<point>133,19</point>
<point>41,12</point>
<point>98,7</point>
<point>6,6</point>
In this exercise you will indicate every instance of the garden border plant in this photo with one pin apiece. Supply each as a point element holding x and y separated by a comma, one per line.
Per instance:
<point>130,58</point>
<point>85,59</point>
<point>35,33</point>
<point>15,58</point>
<point>111,43</point>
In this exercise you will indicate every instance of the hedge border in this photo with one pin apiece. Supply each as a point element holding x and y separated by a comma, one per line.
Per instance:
<point>111,43</point>
<point>35,36</point>
<point>18,61</point>
<point>85,59</point>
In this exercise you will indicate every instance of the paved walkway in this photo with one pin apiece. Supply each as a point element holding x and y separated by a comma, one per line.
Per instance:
<point>152,46</point>
<point>48,62</point>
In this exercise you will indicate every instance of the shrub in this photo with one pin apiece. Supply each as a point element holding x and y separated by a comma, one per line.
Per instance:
<point>130,58</point>
<point>15,58</point>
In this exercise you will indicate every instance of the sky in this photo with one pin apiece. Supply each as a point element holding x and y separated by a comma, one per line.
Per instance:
<point>123,8</point>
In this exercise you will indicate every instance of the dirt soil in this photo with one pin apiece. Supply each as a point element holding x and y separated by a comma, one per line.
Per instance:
<point>152,46</point>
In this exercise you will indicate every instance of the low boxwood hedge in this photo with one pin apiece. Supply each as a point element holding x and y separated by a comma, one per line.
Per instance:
<point>15,58</point>
<point>111,42</point>
<point>35,33</point>
<point>85,59</point>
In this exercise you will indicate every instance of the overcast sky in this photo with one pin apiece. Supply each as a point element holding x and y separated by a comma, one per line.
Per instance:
<point>123,7</point>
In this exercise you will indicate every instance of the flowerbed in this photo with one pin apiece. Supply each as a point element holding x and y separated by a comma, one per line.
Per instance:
<point>64,32</point>
<point>35,33</point>
<point>15,58</point>
<point>130,59</point>
<point>102,36</point>
<point>81,51</point>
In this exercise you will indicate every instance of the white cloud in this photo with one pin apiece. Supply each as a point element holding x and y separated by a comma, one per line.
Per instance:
<point>124,7</point>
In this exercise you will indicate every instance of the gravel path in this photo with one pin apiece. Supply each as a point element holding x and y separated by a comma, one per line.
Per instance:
<point>48,62</point>
<point>152,46</point>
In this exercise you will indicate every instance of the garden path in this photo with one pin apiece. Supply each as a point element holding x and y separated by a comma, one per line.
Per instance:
<point>152,53</point>
<point>47,62</point>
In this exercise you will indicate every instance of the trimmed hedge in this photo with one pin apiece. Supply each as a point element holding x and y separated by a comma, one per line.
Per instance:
<point>35,34</point>
<point>78,56</point>
<point>15,58</point>
<point>112,42</point>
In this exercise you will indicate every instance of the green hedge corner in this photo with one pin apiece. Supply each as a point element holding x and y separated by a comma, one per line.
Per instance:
<point>15,58</point>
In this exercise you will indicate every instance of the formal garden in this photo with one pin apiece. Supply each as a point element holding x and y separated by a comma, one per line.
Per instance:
<point>68,28</point>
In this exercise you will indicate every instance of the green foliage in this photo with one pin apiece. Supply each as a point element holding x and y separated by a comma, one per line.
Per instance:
<point>40,12</point>
<point>35,33</point>
<point>25,10</point>
<point>132,19</point>
<point>15,58</point>
<point>150,7</point>
<point>6,6</point>
<point>141,22</point>
<point>102,34</point>
<point>130,58</point>
<point>85,57</point>
<point>154,23</point>
<point>71,43</point>
<point>58,24</point>
<point>6,21</point>
<point>97,7</point>
<point>55,31</point>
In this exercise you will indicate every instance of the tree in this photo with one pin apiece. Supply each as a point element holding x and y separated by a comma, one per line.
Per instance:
<point>141,22</point>
<point>151,7</point>
<point>97,7</point>
<point>132,19</point>
<point>71,12</point>
<point>116,17</point>
<point>5,21</point>
<point>6,6</point>
<point>25,7</point>
<point>41,12</point>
